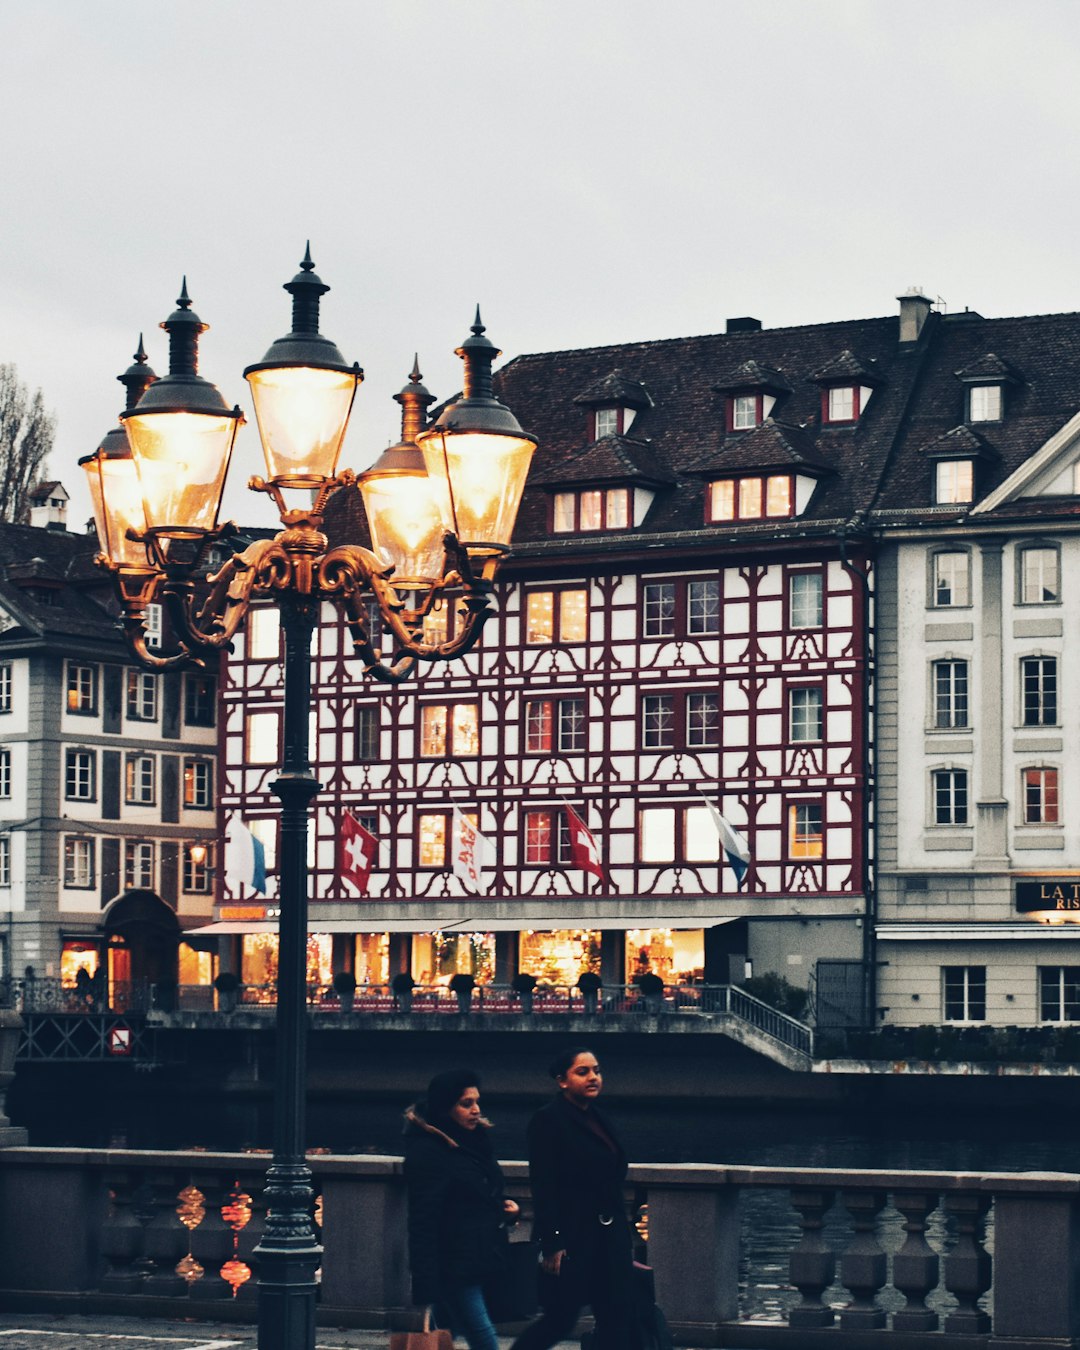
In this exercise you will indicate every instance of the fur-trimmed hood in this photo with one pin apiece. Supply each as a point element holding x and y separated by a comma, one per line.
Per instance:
<point>415,1120</point>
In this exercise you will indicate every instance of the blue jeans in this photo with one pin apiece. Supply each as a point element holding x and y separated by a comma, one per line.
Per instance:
<point>465,1313</point>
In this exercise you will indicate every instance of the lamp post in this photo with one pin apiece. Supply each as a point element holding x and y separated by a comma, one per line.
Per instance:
<point>441,507</point>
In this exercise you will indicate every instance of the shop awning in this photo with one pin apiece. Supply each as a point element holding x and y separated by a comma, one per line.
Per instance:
<point>470,923</point>
<point>431,924</point>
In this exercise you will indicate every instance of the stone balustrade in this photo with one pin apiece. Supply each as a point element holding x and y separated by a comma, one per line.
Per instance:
<point>900,1259</point>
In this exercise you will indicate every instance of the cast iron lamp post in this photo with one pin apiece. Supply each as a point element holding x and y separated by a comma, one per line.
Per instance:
<point>441,507</point>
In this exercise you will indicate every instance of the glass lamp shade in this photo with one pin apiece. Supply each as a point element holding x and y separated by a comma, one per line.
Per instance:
<point>302,413</point>
<point>408,513</point>
<point>182,459</point>
<point>483,473</point>
<point>116,496</point>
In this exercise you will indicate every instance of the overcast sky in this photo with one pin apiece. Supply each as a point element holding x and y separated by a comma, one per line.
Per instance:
<point>589,171</point>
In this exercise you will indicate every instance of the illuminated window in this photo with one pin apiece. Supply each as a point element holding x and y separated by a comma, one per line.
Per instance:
<point>950,796</point>
<point>78,863</point>
<point>433,835</point>
<point>261,738</point>
<point>954,482</point>
<point>547,838</point>
<point>263,633</point>
<point>141,695</point>
<point>950,694</point>
<point>751,498</point>
<point>963,993</point>
<point>984,403</point>
<point>197,864</point>
<point>80,775</point>
<point>722,499</point>
<point>6,674</point>
<point>141,778</point>
<point>75,956</point>
<point>951,585</point>
<point>200,700</point>
<point>1039,691</point>
<point>591,510</point>
<point>556,616</point>
<point>82,689</point>
<point>806,603</point>
<point>681,833</point>
<point>449,730</point>
<point>778,495</point>
<point>1041,797</point>
<point>5,772</point>
<point>138,866</point>
<point>555,725</point>
<point>806,713</point>
<point>444,620</point>
<point>1059,993</point>
<point>805,834</point>
<point>658,609</point>
<point>199,784</point>
<point>1040,582</point>
<point>841,403</point>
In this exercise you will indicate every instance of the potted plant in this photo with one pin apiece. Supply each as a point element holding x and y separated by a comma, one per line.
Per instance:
<point>589,984</point>
<point>403,985</point>
<point>344,983</point>
<point>463,985</point>
<point>523,985</point>
<point>227,985</point>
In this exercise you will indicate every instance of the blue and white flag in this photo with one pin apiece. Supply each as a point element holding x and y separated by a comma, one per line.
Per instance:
<point>734,845</point>
<point>245,857</point>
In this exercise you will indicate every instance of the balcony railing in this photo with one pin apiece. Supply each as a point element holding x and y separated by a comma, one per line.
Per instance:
<point>912,1259</point>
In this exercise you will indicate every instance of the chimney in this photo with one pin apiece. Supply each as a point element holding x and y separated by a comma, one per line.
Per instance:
<point>914,310</point>
<point>745,325</point>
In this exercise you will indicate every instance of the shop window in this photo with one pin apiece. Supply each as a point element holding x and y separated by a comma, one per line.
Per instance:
<point>5,860</point>
<point>367,734</point>
<point>677,834</point>
<point>555,725</point>
<point>677,956</point>
<point>438,957</point>
<point>200,700</point>
<point>964,993</point>
<point>1039,691</point>
<point>733,499</point>
<point>371,964</point>
<point>198,784</point>
<point>82,689</point>
<point>556,616</point>
<point>261,738</point>
<point>434,829</point>
<point>547,838</point>
<point>263,633</point>
<point>950,796</point>
<point>954,482</point>
<point>138,866</point>
<point>80,774</point>
<point>950,679</point>
<point>984,403</point>
<point>805,713</point>
<point>950,579</point>
<point>591,510</point>
<point>194,967</point>
<point>141,696</point>
<point>1041,796</point>
<point>78,863</point>
<point>1059,993</point>
<point>1039,576</point>
<point>76,956</point>
<point>197,866</point>
<point>559,957</point>
<point>840,403</point>
<point>141,780</point>
<point>806,835</point>
<point>6,686</point>
<point>449,730</point>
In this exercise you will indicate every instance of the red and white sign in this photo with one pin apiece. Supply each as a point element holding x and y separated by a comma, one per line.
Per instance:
<point>584,851</point>
<point>120,1042</point>
<point>469,847</point>
<point>358,849</point>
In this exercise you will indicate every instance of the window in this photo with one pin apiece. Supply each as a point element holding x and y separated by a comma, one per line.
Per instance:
<point>261,738</point>
<point>5,772</point>
<point>196,868</point>
<point>805,704</point>
<point>5,860</point>
<point>200,700</point>
<point>555,724</point>
<point>547,838</point>
<point>702,720</point>
<point>367,734</point>
<point>606,422</point>
<point>449,730</point>
<point>141,695</point>
<point>1040,796</point>
<point>437,621</point>
<point>841,403</point>
<point>984,403</point>
<point>806,837</point>
<point>954,481</point>
<point>1059,993</point>
<point>703,608</point>
<point>806,600</point>
<point>6,674</point>
<point>79,863</point>
<point>1039,579</point>
<point>152,623</point>
<point>950,796</point>
<point>671,721</point>
<point>140,780</point>
<point>82,689</point>
<point>1038,683</point>
<point>750,498</point>
<point>433,833</point>
<point>595,509</point>
<point>677,834</point>
<point>658,722</point>
<point>658,609</point>
<point>950,580</point>
<point>138,866</point>
<point>199,784</point>
<point>263,633</point>
<point>556,616</point>
<point>79,775</point>
<point>745,411</point>
<point>950,694</point>
<point>964,993</point>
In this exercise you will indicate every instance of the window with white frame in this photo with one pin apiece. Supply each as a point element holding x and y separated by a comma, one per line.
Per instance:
<point>152,620</point>
<point>449,730</point>
<point>590,510</point>
<point>606,422</point>
<point>196,869</point>
<point>806,710</point>
<point>80,775</point>
<point>6,686</point>
<point>263,633</point>
<point>1038,691</point>
<point>750,498</point>
<point>556,616</point>
<point>555,725</point>
<point>547,838</point>
<point>140,780</point>
<point>950,680</point>
<point>951,579</point>
<point>658,609</point>
<point>78,863</point>
<point>842,403</point>
<point>703,607</point>
<point>5,771</point>
<point>1039,576</point>
<point>963,993</point>
<point>138,865</point>
<point>806,830</point>
<point>1059,993</point>
<point>954,481</point>
<point>1041,804</point>
<point>680,833</point>
<point>261,737</point>
<point>744,411</point>
<point>5,860</point>
<point>198,784</point>
<point>82,689</point>
<point>984,403</point>
<point>806,600</point>
<point>950,788</point>
<point>142,686</point>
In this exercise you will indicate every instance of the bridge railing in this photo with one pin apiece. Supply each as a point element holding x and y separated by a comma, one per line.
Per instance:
<point>914,1259</point>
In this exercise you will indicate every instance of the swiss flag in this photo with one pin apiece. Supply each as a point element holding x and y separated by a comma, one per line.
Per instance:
<point>583,849</point>
<point>357,852</point>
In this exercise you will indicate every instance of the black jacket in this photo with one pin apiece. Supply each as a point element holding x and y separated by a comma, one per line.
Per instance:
<point>576,1179</point>
<point>457,1235</point>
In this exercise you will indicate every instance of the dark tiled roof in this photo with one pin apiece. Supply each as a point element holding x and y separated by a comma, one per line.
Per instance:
<point>752,375</point>
<point>959,443</point>
<point>616,387</point>
<point>988,367</point>
<point>35,563</point>
<point>773,445</point>
<point>846,366</point>
<point>612,459</point>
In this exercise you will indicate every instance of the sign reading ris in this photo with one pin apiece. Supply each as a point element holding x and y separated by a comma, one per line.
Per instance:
<point>1048,894</point>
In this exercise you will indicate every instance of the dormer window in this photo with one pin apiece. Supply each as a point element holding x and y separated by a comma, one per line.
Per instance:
<point>745,412</point>
<point>607,422</point>
<point>591,510</point>
<point>841,403</point>
<point>954,482</point>
<point>984,403</point>
<point>750,498</point>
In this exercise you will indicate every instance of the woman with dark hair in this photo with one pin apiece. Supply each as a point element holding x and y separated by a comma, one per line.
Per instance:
<point>576,1171</point>
<point>457,1212</point>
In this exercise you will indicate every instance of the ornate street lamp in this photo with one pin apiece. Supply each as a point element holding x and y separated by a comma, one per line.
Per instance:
<point>449,528</point>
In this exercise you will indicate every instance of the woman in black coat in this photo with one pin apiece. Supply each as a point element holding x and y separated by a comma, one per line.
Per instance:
<point>576,1172</point>
<point>457,1213</point>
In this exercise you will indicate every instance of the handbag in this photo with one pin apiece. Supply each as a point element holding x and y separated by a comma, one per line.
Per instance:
<point>426,1339</point>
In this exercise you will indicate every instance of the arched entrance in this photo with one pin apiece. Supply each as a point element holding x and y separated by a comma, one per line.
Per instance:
<point>141,939</point>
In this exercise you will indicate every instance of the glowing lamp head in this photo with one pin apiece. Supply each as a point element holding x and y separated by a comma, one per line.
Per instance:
<point>408,514</point>
<point>303,392</point>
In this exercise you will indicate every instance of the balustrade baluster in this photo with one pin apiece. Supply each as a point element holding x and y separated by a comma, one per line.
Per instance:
<point>122,1235</point>
<point>915,1265</point>
<point>968,1271</point>
<point>165,1239</point>
<point>863,1266</point>
<point>251,1234</point>
<point>811,1265</point>
<point>212,1241</point>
